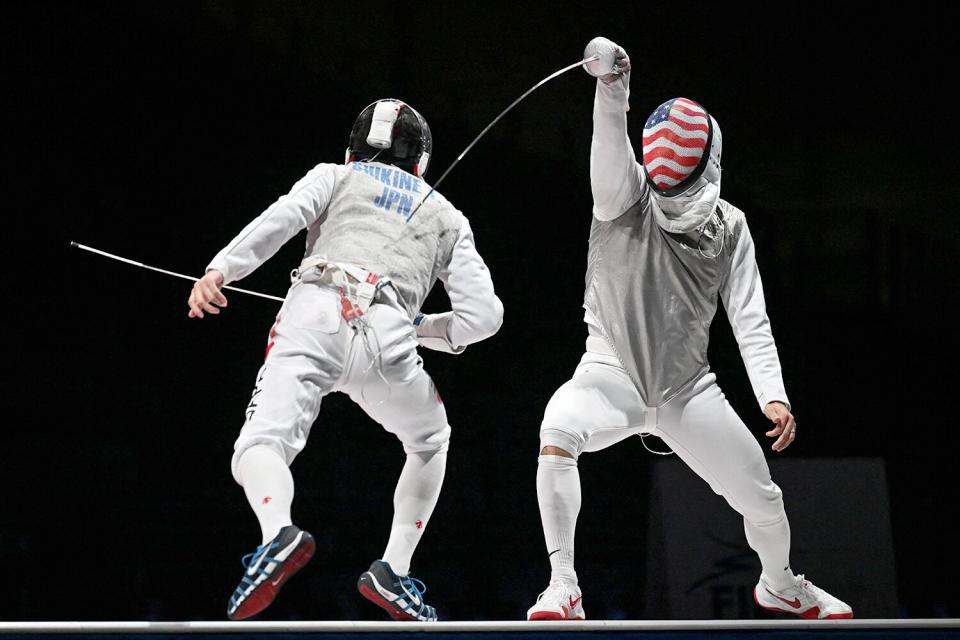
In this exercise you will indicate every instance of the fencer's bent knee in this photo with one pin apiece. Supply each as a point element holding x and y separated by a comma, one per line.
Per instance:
<point>437,441</point>
<point>770,523</point>
<point>241,449</point>
<point>763,508</point>
<point>769,510</point>
<point>568,442</point>
<point>555,451</point>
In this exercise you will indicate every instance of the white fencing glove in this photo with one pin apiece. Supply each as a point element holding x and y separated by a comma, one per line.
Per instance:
<point>613,62</point>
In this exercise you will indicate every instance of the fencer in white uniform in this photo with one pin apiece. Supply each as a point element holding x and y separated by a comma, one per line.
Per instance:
<point>351,322</point>
<point>664,249</point>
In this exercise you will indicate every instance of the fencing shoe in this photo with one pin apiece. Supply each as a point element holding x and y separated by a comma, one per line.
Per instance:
<point>561,601</point>
<point>400,596</point>
<point>267,568</point>
<point>804,599</point>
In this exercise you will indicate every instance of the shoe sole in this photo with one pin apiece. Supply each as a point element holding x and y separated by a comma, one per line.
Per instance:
<point>551,615</point>
<point>812,613</point>
<point>367,587</point>
<point>263,596</point>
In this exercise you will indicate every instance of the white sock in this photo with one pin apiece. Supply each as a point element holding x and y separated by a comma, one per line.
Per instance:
<point>413,503</point>
<point>558,492</point>
<point>267,481</point>
<point>772,544</point>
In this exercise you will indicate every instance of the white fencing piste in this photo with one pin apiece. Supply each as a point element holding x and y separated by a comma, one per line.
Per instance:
<point>493,626</point>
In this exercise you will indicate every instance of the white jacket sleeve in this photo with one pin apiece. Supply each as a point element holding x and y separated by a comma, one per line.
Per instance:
<point>477,312</point>
<point>616,178</point>
<point>742,294</point>
<point>286,217</point>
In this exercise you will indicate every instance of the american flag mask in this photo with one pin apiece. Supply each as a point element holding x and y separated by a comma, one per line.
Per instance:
<point>677,145</point>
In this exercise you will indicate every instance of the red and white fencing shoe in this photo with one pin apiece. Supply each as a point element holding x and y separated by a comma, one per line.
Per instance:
<point>805,599</point>
<point>561,601</point>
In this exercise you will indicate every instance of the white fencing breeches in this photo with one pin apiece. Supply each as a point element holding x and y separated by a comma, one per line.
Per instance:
<point>600,406</point>
<point>313,351</point>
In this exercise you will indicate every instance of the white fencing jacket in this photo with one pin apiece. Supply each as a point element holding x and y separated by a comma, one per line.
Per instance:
<point>651,295</point>
<point>360,214</point>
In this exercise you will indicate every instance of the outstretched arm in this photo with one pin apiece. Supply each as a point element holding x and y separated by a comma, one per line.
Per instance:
<point>616,179</point>
<point>742,294</point>
<point>262,238</point>
<point>477,312</point>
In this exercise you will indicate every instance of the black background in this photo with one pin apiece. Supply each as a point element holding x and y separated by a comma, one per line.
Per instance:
<point>157,130</point>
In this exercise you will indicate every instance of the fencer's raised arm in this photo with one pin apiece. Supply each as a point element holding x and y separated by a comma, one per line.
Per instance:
<point>616,178</point>
<point>282,220</point>
<point>742,295</point>
<point>476,313</point>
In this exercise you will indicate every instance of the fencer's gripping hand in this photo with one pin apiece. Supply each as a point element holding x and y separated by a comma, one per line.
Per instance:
<point>785,426</point>
<point>613,63</point>
<point>621,68</point>
<point>432,332</point>
<point>206,295</point>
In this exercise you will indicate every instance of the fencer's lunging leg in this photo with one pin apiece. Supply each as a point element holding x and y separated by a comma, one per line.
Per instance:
<point>711,438</point>
<point>413,503</point>
<point>558,492</point>
<point>268,484</point>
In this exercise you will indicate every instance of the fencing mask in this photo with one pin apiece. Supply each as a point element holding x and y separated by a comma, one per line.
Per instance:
<point>681,158</point>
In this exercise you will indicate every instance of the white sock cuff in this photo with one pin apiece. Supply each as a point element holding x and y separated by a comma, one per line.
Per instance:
<point>557,461</point>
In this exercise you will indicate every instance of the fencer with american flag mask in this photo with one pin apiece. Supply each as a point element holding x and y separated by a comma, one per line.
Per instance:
<point>663,250</point>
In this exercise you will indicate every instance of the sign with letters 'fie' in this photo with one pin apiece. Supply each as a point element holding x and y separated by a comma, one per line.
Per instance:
<point>700,567</point>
